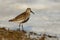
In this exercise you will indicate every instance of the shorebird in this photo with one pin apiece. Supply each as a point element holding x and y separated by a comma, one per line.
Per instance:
<point>22,18</point>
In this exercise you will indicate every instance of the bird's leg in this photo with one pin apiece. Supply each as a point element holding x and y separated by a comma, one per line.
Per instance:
<point>22,28</point>
<point>19,26</point>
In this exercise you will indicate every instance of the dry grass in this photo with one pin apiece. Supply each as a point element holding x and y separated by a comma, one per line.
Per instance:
<point>11,35</point>
<point>18,35</point>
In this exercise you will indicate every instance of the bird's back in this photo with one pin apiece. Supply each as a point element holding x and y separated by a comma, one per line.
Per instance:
<point>22,16</point>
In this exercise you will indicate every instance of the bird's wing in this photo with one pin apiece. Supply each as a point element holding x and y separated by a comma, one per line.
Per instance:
<point>20,15</point>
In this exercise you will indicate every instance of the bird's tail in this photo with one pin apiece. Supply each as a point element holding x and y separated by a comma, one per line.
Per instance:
<point>11,20</point>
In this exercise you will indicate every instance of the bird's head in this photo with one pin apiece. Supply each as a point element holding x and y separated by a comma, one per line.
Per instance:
<point>28,10</point>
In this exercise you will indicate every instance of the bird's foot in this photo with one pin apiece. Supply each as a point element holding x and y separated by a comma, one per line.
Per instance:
<point>24,31</point>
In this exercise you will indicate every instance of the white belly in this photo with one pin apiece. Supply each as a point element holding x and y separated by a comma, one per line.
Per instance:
<point>18,21</point>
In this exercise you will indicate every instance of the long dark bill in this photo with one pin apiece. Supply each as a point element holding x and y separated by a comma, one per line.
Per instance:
<point>32,12</point>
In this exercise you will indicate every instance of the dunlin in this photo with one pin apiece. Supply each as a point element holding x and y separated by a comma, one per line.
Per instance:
<point>22,18</point>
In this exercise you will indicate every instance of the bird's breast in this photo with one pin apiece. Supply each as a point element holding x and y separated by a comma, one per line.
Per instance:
<point>27,15</point>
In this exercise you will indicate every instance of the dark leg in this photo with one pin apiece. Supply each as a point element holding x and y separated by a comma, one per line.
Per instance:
<point>22,27</point>
<point>19,27</point>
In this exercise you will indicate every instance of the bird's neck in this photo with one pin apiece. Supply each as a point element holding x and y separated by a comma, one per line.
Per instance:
<point>28,11</point>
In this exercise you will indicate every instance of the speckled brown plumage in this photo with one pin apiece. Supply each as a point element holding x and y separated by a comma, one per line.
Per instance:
<point>23,17</point>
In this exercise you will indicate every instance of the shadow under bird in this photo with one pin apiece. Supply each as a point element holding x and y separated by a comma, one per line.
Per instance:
<point>22,18</point>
